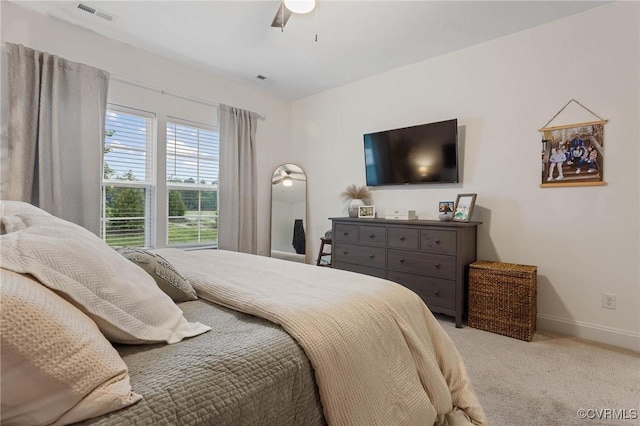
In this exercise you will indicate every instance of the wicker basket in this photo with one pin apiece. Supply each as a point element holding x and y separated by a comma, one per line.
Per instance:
<point>502,298</point>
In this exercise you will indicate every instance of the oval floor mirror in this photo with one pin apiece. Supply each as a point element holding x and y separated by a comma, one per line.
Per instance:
<point>288,213</point>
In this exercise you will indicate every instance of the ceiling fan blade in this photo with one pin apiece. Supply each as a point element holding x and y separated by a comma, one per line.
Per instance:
<point>282,16</point>
<point>278,180</point>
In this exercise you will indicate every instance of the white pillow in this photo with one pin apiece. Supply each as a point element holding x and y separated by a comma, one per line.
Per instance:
<point>12,208</point>
<point>120,297</point>
<point>56,365</point>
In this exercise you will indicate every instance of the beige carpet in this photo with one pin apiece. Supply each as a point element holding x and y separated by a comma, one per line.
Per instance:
<point>546,381</point>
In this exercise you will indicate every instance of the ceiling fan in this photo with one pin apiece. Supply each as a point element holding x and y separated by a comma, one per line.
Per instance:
<point>287,177</point>
<point>289,7</point>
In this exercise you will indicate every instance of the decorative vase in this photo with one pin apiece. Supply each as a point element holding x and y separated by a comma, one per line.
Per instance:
<point>353,207</point>
<point>445,217</point>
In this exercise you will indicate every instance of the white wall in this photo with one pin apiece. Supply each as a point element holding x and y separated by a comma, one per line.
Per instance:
<point>584,240</point>
<point>37,31</point>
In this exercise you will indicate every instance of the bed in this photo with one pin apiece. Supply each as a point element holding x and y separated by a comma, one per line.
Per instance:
<point>237,339</point>
<point>286,255</point>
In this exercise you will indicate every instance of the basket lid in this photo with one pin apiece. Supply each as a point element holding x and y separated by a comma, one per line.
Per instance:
<point>504,267</point>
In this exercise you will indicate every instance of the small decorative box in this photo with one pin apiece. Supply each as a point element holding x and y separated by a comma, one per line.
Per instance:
<point>399,214</point>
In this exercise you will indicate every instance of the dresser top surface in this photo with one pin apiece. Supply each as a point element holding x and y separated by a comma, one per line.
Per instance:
<point>421,222</point>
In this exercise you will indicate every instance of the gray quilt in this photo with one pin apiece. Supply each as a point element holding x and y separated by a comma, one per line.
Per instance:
<point>246,370</point>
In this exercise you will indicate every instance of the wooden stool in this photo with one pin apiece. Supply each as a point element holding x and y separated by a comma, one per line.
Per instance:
<point>324,241</point>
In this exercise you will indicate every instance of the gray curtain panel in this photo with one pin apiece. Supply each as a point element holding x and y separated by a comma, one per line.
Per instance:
<point>237,211</point>
<point>4,104</point>
<point>55,133</point>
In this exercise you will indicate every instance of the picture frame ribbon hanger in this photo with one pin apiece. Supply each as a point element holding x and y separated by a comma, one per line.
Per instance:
<point>600,119</point>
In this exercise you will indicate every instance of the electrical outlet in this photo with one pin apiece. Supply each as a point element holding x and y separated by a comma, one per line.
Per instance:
<point>608,300</point>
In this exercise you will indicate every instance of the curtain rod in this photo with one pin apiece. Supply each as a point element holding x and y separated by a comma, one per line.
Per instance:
<point>175,95</point>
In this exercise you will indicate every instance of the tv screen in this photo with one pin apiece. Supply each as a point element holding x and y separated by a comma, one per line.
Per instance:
<point>426,153</point>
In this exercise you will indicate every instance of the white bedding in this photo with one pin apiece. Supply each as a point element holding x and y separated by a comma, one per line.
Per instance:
<point>122,299</point>
<point>380,357</point>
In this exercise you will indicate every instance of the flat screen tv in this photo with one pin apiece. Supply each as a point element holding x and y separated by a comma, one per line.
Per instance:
<point>426,153</point>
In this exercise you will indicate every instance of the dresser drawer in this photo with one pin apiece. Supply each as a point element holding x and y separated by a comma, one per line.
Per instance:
<point>367,270</point>
<point>403,238</point>
<point>434,265</point>
<point>438,241</point>
<point>434,291</point>
<point>360,255</point>
<point>374,235</point>
<point>346,232</point>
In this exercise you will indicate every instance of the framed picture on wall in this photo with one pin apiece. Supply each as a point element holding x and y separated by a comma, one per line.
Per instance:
<point>464,207</point>
<point>366,212</point>
<point>573,153</point>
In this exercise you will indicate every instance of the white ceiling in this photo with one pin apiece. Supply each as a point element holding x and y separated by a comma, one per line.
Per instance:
<point>356,39</point>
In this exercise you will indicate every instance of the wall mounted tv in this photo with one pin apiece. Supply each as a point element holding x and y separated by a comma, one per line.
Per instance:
<point>426,153</point>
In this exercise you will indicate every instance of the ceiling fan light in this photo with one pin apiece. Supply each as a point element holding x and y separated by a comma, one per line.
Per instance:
<point>300,6</point>
<point>287,181</point>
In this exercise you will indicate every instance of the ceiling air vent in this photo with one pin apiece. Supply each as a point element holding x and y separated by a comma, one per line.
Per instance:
<point>96,12</point>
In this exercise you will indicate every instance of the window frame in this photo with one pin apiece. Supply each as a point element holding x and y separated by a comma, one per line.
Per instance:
<point>196,186</point>
<point>149,184</point>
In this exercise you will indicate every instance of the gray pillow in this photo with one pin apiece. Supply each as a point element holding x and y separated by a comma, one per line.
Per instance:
<point>172,282</point>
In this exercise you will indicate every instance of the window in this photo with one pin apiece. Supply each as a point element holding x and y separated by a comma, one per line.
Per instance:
<point>193,159</point>
<point>127,185</point>
<point>140,207</point>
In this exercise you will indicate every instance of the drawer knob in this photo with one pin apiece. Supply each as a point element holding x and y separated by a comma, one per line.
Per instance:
<point>371,256</point>
<point>345,252</point>
<point>436,292</point>
<point>437,265</point>
<point>437,241</point>
<point>402,238</point>
<point>402,260</point>
<point>371,236</point>
<point>345,233</point>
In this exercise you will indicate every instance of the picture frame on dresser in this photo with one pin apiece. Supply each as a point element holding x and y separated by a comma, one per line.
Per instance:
<point>366,212</point>
<point>446,206</point>
<point>463,209</point>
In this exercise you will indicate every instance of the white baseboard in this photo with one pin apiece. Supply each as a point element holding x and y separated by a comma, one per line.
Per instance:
<point>607,335</point>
